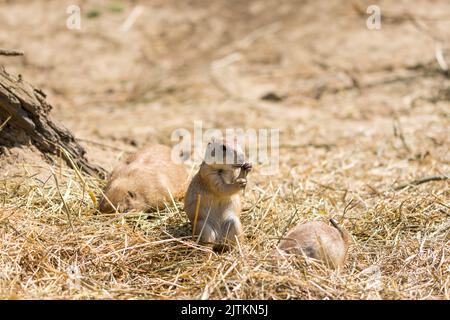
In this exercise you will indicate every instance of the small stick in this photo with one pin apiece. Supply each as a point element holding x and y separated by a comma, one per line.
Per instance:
<point>420,181</point>
<point>11,52</point>
<point>440,59</point>
<point>197,208</point>
<point>78,173</point>
<point>291,218</point>
<point>4,123</point>
<point>66,208</point>
<point>132,18</point>
<point>100,144</point>
<point>306,145</point>
<point>398,132</point>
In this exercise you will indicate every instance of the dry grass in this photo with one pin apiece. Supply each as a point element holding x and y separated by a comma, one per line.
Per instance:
<point>362,113</point>
<point>400,251</point>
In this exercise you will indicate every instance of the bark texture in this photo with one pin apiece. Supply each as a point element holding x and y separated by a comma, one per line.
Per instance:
<point>25,118</point>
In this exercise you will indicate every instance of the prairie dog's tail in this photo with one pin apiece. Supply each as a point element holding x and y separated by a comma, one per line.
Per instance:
<point>342,231</point>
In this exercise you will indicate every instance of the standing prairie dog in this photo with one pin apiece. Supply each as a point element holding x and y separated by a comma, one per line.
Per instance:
<point>212,200</point>
<point>146,181</point>
<point>319,241</point>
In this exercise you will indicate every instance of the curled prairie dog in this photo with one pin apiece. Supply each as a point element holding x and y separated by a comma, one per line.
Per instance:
<point>212,200</point>
<point>319,241</point>
<point>145,181</point>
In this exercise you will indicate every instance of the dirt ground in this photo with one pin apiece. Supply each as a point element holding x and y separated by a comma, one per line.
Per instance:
<point>359,111</point>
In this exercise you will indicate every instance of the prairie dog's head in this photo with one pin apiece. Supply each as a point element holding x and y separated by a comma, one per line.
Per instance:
<point>224,154</point>
<point>123,200</point>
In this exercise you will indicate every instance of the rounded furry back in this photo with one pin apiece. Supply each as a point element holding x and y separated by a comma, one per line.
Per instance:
<point>147,180</point>
<point>319,241</point>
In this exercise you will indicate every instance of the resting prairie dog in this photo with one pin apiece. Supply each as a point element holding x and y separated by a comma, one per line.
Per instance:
<point>214,191</point>
<point>319,241</point>
<point>143,181</point>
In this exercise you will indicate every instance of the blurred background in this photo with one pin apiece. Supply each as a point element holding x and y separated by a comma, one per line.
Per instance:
<point>137,70</point>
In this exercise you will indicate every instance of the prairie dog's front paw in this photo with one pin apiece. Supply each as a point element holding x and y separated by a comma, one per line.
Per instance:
<point>247,167</point>
<point>241,182</point>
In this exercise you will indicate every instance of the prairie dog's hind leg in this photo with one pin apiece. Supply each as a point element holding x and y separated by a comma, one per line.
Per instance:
<point>205,232</point>
<point>231,231</point>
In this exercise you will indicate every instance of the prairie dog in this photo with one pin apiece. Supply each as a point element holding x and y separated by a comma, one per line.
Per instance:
<point>214,191</point>
<point>143,181</point>
<point>319,241</point>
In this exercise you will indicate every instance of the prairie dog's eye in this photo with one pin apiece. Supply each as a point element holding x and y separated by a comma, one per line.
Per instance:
<point>132,194</point>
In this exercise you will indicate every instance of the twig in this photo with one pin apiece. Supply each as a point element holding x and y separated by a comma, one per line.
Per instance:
<point>11,52</point>
<point>307,145</point>
<point>416,182</point>
<point>398,132</point>
<point>350,205</point>
<point>438,52</point>
<point>323,185</point>
<point>100,144</point>
<point>66,208</point>
<point>293,215</point>
<point>419,27</point>
<point>234,55</point>
<point>373,189</point>
<point>291,218</point>
<point>132,18</point>
<point>197,207</point>
<point>216,72</point>
<point>440,58</point>
<point>358,85</point>
<point>269,206</point>
<point>78,173</point>
<point>4,123</point>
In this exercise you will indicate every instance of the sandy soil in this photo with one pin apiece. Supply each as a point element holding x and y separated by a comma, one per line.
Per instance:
<point>128,88</point>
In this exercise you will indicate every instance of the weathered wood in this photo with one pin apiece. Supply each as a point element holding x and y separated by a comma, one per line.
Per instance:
<point>11,52</point>
<point>29,122</point>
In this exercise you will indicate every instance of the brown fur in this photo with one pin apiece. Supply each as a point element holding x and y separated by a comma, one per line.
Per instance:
<point>217,187</point>
<point>143,182</point>
<point>319,241</point>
